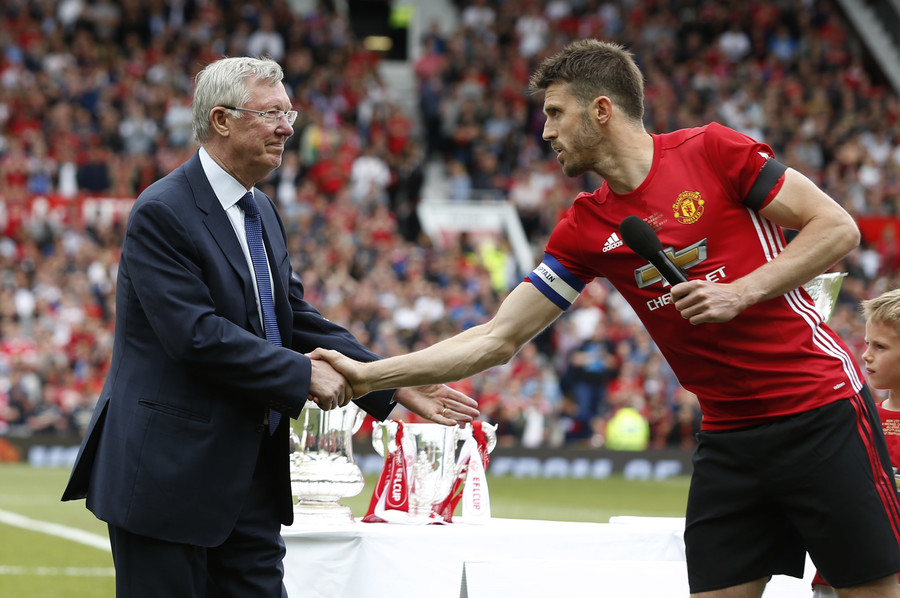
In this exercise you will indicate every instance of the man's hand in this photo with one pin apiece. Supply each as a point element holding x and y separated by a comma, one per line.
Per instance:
<point>352,370</point>
<point>700,301</point>
<point>438,403</point>
<point>327,387</point>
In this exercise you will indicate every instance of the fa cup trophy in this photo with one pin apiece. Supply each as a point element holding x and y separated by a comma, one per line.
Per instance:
<point>322,467</point>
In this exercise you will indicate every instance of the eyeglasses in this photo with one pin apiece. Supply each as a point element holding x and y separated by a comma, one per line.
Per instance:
<point>270,116</point>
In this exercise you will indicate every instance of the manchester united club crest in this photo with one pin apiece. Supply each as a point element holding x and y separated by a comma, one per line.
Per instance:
<point>688,207</point>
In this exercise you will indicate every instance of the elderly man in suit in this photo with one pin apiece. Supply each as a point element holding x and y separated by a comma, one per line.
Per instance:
<point>186,457</point>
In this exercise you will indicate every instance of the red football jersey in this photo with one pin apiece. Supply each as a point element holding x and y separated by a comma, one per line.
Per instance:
<point>775,358</point>
<point>890,423</point>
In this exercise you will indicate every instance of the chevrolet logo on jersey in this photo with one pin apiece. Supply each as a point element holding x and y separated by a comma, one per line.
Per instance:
<point>684,259</point>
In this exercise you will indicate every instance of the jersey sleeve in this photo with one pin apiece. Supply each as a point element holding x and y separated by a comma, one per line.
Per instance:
<point>559,283</point>
<point>740,160</point>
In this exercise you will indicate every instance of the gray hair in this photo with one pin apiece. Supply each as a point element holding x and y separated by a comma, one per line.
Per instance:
<point>225,82</point>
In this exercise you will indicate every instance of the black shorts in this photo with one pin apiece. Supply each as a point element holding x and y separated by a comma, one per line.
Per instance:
<point>818,482</point>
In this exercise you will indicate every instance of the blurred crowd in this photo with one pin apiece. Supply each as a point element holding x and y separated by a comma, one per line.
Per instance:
<point>94,101</point>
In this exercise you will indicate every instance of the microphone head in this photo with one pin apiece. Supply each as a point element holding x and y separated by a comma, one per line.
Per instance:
<point>640,237</point>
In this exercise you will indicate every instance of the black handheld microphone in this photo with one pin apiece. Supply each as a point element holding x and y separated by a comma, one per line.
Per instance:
<point>641,238</point>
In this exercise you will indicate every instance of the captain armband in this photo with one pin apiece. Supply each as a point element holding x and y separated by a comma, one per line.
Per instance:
<point>769,175</point>
<point>556,283</point>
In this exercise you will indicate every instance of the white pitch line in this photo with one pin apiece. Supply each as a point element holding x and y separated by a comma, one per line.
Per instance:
<point>55,529</point>
<point>59,571</point>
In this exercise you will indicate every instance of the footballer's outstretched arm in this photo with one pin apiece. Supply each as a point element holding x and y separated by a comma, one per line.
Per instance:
<point>522,315</point>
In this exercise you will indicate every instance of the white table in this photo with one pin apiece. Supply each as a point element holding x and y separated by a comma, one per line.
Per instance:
<point>630,556</point>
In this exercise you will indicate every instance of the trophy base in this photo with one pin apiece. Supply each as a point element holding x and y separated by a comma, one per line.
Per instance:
<point>316,514</point>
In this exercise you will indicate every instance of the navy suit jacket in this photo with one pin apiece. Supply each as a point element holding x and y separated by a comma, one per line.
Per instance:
<point>173,442</point>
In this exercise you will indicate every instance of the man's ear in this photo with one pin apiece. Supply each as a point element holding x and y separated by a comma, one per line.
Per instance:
<point>602,109</point>
<point>218,121</point>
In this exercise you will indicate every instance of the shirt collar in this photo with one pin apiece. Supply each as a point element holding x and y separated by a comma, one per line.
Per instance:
<point>227,189</point>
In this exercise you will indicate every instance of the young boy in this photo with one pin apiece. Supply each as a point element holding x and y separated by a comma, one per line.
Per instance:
<point>882,364</point>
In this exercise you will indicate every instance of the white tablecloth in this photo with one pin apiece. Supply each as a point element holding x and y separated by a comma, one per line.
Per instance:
<point>505,557</point>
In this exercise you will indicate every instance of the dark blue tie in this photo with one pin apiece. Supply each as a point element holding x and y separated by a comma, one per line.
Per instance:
<point>253,230</point>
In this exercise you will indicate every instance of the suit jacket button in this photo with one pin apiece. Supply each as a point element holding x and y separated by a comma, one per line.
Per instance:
<point>260,428</point>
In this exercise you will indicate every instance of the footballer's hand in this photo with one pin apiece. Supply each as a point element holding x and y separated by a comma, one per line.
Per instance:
<point>439,403</point>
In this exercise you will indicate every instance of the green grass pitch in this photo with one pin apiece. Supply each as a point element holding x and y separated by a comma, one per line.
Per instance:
<point>36,564</point>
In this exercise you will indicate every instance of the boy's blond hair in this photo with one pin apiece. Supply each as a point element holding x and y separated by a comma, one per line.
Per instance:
<point>883,309</point>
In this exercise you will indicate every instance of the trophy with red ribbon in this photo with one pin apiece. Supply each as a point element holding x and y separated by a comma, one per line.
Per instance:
<point>427,473</point>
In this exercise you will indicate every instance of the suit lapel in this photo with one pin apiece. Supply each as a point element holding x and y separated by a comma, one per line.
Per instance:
<point>219,226</point>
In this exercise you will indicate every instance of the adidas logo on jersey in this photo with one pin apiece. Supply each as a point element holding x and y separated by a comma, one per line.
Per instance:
<point>612,242</point>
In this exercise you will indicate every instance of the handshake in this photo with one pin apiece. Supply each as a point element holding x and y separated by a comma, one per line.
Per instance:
<point>335,380</point>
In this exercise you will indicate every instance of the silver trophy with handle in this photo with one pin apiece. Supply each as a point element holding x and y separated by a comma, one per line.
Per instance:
<point>322,467</point>
<point>824,290</point>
